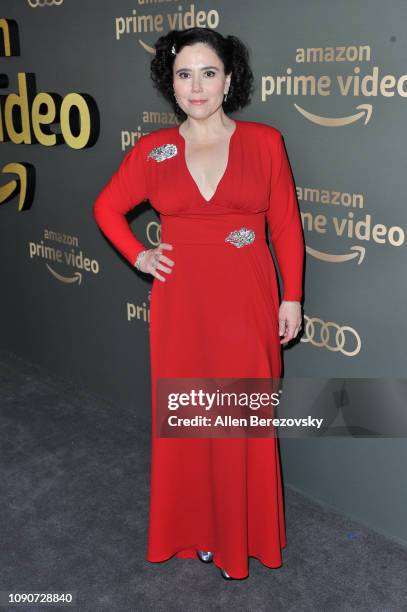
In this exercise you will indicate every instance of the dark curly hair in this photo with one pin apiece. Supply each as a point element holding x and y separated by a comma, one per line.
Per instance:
<point>231,50</point>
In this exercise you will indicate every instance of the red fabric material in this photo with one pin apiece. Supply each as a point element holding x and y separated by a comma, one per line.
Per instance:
<point>215,316</point>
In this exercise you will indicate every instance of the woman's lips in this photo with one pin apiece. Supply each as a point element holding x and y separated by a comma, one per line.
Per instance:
<point>197,101</point>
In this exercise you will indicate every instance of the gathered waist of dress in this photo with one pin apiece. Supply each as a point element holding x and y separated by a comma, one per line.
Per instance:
<point>236,229</point>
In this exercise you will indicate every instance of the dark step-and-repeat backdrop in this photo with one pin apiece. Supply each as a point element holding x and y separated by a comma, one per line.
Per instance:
<point>76,94</point>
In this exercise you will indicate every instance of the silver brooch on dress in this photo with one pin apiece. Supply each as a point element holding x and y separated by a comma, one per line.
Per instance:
<point>163,152</point>
<point>240,237</point>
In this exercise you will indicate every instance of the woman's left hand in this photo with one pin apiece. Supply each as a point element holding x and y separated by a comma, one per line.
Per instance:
<point>289,320</point>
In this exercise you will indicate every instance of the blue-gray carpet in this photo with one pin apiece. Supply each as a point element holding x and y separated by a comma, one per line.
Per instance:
<point>74,507</point>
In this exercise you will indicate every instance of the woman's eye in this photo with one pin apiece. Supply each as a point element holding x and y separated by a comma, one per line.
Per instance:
<point>210,72</point>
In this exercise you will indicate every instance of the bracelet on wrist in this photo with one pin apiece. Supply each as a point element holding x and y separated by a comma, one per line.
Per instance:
<point>138,260</point>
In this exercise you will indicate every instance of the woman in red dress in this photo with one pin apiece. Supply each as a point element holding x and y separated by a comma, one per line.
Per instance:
<point>214,310</point>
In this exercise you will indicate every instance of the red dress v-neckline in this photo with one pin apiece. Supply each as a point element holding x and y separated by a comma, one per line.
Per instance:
<point>221,180</point>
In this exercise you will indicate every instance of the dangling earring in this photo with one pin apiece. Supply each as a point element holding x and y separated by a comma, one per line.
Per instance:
<point>225,96</point>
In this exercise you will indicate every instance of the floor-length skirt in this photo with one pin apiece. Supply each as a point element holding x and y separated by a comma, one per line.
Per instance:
<point>216,315</point>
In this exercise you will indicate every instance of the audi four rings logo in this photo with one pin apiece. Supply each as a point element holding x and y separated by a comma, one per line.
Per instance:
<point>331,336</point>
<point>40,3</point>
<point>153,231</point>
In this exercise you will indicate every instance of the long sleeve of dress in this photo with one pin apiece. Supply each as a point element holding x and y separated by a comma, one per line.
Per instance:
<point>285,224</point>
<point>126,189</point>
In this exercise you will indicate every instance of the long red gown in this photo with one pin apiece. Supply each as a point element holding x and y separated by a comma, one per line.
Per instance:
<point>216,315</point>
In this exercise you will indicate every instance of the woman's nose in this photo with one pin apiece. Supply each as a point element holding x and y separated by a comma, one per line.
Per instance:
<point>196,84</point>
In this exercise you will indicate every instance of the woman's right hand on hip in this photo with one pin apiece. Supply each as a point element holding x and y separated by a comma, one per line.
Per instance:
<point>154,260</point>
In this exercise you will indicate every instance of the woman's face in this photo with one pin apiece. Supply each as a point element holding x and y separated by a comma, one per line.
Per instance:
<point>198,75</point>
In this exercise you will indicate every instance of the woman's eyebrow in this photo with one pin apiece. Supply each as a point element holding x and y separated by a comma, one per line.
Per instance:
<point>204,68</point>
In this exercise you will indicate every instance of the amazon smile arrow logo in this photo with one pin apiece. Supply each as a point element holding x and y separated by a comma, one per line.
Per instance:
<point>365,111</point>
<point>358,254</point>
<point>24,185</point>
<point>76,278</point>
